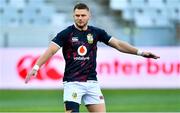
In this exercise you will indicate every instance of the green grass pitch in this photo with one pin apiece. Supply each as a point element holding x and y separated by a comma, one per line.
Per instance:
<point>158,100</point>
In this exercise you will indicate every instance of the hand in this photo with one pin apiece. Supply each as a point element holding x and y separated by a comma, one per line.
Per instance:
<point>150,55</point>
<point>33,72</point>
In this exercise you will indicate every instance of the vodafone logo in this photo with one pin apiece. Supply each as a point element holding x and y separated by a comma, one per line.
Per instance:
<point>82,50</point>
<point>49,71</point>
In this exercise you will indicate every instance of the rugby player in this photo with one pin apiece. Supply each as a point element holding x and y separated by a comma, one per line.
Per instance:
<point>79,47</point>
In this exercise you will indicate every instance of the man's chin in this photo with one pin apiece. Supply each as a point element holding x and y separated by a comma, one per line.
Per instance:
<point>81,26</point>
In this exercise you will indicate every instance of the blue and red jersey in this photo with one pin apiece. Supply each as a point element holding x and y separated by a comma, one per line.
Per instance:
<point>80,50</point>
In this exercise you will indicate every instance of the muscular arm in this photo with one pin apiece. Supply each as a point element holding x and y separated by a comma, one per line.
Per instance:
<point>122,46</point>
<point>127,48</point>
<point>52,49</point>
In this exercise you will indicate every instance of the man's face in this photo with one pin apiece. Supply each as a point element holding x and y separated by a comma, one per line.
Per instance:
<point>81,17</point>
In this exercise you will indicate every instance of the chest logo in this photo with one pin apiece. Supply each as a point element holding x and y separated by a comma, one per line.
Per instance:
<point>82,50</point>
<point>90,38</point>
<point>75,39</point>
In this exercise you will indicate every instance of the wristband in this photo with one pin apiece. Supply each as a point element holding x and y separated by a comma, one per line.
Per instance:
<point>140,53</point>
<point>36,67</point>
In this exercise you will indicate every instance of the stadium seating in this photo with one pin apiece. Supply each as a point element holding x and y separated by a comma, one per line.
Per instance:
<point>119,4</point>
<point>30,36</point>
<point>153,19</point>
<point>20,16</point>
<point>27,19</point>
<point>1,40</point>
<point>149,13</point>
<point>20,12</point>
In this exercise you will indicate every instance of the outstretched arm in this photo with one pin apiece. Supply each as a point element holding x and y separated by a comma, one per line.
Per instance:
<point>52,49</point>
<point>127,48</point>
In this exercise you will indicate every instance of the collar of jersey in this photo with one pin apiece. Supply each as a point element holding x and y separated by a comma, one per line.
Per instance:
<point>80,29</point>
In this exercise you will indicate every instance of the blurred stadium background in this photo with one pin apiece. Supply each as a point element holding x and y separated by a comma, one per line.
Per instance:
<point>31,24</point>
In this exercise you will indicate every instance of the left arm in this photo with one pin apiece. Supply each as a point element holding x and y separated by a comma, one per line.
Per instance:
<point>127,48</point>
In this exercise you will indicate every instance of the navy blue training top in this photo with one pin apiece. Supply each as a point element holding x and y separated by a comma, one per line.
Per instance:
<point>80,50</point>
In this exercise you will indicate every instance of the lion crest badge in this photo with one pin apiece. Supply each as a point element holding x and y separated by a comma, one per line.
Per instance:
<point>90,38</point>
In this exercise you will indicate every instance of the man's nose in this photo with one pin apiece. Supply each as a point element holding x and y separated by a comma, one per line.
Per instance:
<point>80,17</point>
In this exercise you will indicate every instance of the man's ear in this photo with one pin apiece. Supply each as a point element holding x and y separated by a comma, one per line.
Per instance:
<point>89,14</point>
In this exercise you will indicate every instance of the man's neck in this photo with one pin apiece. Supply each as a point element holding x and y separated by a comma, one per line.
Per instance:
<point>81,29</point>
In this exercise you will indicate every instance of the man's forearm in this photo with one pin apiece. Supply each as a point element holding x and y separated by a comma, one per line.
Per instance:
<point>123,46</point>
<point>43,58</point>
<point>126,48</point>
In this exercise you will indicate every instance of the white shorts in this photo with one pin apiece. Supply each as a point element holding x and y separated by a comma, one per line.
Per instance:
<point>88,92</point>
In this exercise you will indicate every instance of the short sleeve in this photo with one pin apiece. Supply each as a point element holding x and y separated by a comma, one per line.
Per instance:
<point>103,36</point>
<point>59,39</point>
